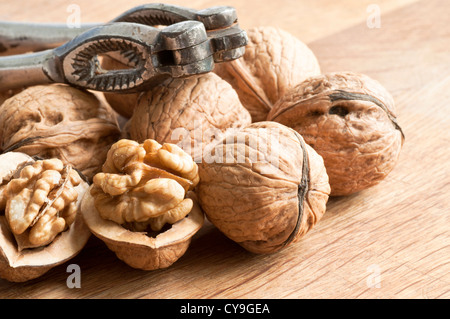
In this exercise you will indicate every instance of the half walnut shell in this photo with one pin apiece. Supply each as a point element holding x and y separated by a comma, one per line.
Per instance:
<point>137,249</point>
<point>18,264</point>
<point>263,187</point>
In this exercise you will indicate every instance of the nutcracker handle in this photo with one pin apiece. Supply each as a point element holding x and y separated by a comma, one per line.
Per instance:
<point>151,56</point>
<point>21,37</point>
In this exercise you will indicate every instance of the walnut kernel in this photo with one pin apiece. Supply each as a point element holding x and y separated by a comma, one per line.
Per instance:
<point>41,201</point>
<point>39,222</point>
<point>144,188</point>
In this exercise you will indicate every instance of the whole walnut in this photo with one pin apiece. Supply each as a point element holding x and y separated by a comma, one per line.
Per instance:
<point>263,187</point>
<point>349,119</point>
<point>191,112</point>
<point>59,121</point>
<point>274,61</point>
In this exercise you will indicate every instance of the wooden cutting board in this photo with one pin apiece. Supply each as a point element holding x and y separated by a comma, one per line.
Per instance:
<point>390,241</point>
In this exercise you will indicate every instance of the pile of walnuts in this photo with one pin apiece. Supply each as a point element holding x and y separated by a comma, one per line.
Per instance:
<point>257,146</point>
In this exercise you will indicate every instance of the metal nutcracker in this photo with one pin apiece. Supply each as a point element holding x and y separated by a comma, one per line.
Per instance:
<point>190,44</point>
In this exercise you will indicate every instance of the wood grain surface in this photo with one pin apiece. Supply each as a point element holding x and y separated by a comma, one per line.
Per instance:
<point>390,241</point>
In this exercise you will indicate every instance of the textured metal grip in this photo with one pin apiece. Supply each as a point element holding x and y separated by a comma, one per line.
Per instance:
<point>156,14</point>
<point>166,14</point>
<point>82,67</point>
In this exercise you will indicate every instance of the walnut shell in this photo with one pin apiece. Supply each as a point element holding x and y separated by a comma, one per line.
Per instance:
<point>137,249</point>
<point>21,265</point>
<point>4,95</point>
<point>274,61</point>
<point>122,103</point>
<point>191,112</point>
<point>59,121</point>
<point>263,187</point>
<point>349,119</point>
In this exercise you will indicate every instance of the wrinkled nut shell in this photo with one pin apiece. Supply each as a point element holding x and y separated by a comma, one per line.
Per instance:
<point>28,264</point>
<point>266,189</point>
<point>274,61</point>
<point>349,119</point>
<point>59,121</point>
<point>137,249</point>
<point>190,112</point>
<point>4,95</point>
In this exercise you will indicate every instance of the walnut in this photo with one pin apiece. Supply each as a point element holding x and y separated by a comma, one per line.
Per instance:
<point>349,119</point>
<point>263,187</point>
<point>58,121</point>
<point>190,112</point>
<point>39,222</point>
<point>274,61</point>
<point>141,204</point>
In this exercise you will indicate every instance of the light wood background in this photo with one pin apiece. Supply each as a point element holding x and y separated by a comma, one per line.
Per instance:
<point>398,229</point>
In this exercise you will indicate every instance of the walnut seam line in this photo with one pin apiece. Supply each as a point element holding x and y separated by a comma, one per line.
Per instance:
<point>303,188</point>
<point>349,96</point>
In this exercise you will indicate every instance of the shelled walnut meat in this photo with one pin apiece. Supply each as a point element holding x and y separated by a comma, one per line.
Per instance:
<point>349,119</point>
<point>274,61</point>
<point>59,121</point>
<point>263,187</point>
<point>40,224</point>
<point>142,205</point>
<point>191,112</point>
